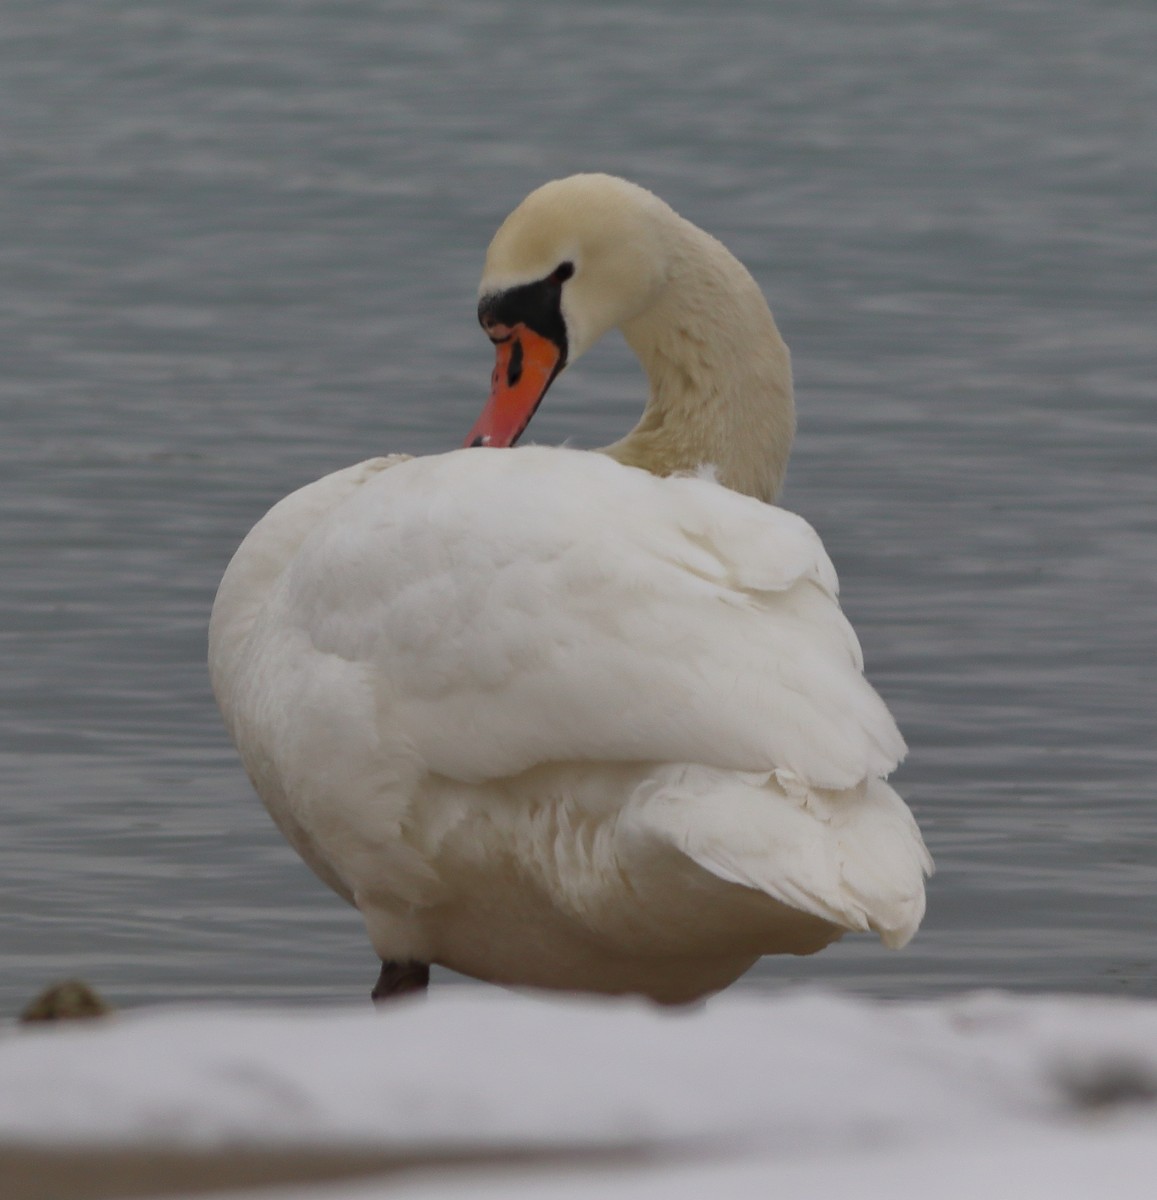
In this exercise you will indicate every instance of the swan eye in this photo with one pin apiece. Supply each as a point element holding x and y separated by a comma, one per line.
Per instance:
<point>562,272</point>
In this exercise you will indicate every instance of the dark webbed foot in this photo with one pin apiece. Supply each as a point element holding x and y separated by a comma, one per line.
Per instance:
<point>401,979</point>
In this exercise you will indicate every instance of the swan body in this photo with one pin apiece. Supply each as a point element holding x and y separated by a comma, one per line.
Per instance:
<point>578,720</point>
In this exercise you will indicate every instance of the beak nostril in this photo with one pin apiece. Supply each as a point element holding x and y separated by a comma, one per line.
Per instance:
<point>514,366</point>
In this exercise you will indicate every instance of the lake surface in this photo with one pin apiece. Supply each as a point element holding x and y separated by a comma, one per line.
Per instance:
<point>239,244</point>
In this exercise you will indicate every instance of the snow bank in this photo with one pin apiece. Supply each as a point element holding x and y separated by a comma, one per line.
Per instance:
<point>802,1093</point>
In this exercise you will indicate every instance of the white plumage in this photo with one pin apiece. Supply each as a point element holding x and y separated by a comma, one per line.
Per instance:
<point>550,719</point>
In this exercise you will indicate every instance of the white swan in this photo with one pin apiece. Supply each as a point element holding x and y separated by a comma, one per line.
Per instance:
<point>549,719</point>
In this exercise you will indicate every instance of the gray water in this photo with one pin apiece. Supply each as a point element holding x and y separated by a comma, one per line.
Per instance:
<point>239,242</point>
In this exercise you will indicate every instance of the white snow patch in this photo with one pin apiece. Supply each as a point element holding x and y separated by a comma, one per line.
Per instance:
<point>800,1094</point>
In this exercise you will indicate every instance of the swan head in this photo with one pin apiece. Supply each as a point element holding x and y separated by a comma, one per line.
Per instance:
<point>578,257</point>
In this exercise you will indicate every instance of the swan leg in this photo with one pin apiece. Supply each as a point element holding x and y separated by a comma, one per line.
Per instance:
<point>400,979</point>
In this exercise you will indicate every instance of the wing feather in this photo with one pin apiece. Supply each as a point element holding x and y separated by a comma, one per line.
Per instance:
<point>544,605</point>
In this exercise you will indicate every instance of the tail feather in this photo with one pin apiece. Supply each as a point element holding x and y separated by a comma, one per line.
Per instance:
<point>854,858</point>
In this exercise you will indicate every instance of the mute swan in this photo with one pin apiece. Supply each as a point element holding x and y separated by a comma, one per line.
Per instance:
<point>550,719</point>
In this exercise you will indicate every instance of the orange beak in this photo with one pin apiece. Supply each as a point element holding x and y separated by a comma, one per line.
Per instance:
<point>525,367</point>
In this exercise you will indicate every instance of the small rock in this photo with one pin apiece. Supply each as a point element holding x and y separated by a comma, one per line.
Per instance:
<point>70,1000</point>
<point>1112,1083</point>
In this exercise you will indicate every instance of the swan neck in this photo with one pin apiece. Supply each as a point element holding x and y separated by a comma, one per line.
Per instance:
<point>719,374</point>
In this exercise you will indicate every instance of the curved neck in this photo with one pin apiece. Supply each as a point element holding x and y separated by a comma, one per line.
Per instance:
<point>719,372</point>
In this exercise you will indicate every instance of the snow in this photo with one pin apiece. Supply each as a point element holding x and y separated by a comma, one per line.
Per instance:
<point>799,1094</point>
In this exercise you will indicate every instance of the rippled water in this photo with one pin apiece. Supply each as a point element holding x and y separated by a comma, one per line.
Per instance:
<point>240,242</point>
